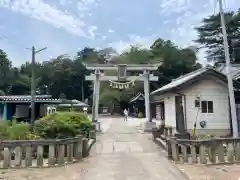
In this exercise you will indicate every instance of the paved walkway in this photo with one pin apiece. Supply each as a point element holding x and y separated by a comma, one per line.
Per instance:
<point>121,153</point>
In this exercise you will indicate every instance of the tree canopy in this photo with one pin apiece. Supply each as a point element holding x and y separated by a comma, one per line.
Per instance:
<point>210,36</point>
<point>64,76</point>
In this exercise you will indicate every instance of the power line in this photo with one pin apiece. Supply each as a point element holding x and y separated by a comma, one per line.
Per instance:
<point>4,38</point>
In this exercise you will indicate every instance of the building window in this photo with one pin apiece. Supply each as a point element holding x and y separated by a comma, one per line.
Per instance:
<point>207,106</point>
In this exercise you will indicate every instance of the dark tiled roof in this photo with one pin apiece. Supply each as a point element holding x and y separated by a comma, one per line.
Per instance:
<point>26,99</point>
<point>139,96</point>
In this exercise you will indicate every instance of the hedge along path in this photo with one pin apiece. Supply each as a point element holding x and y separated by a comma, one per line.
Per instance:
<point>44,153</point>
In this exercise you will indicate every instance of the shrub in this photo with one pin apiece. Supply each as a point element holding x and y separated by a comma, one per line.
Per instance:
<point>63,125</point>
<point>16,131</point>
<point>4,129</point>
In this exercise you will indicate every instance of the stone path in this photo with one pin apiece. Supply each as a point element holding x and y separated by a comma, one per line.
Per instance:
<point>121,153</point>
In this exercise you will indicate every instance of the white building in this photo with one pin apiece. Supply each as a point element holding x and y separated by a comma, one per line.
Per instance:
<point>199,97</point>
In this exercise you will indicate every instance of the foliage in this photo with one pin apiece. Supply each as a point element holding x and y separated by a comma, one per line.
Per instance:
<point>63,124</point>
<point>16,131</point>
<point>210,36</point>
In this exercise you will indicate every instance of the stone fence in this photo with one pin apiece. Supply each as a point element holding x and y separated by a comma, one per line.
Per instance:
<point>163,132</point>
<point>43,153</point>
<point>213,151</point>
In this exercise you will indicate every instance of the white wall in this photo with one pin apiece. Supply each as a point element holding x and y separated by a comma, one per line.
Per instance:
<point>170,114</point>
<point>210,90</point>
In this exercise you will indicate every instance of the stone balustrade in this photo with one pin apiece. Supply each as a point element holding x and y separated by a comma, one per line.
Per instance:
<point>212,151</point>
<point>42,153</point>
<point>163,132</point>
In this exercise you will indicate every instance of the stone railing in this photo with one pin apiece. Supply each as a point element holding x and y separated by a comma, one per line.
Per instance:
<point>42,153</point>
<point>163,132</point>
<point>214,151</point>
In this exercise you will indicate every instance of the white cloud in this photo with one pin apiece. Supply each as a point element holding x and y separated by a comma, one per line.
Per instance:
<point>144,42</point>
<point>92,31</point>
<point>41,11</point>
<point>85,5</point>
<point>110,30</point>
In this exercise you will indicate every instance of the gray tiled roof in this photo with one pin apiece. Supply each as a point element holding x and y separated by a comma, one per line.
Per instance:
<point>183,79</point>
<point>27,99</point>
<point>234,70</point>
<point>139,95</point>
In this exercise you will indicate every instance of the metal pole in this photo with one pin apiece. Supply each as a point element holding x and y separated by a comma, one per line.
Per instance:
<point>33,87</point>
<point>229,76</point>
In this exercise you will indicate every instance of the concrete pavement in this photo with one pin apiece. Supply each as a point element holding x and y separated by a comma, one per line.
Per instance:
<point>121,153</point>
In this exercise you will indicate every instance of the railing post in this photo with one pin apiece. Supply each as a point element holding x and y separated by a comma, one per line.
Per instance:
<point>85,152</point>
<point>175,150</point>
<point>78,148</point>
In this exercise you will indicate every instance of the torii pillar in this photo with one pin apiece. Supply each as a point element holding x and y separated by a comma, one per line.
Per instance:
<point>146,77</point>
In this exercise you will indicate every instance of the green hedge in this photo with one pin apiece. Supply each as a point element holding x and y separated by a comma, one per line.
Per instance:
<point>63,125</point>
<point>16,131</point>
<point>55,126</point>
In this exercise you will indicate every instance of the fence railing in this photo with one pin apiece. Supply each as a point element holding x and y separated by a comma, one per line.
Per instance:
<point>163,132</point>
<point>42,153</point>
<point>212,151</point>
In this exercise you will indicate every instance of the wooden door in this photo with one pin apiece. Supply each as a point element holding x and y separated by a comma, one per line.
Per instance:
<point>180,124</point>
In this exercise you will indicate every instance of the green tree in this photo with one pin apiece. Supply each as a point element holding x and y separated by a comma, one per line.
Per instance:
<point>5,72</point>
<point>210,36</point>
<point>175,61</point>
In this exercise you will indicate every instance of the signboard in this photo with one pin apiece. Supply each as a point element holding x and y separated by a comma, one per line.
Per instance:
<point>122,72</point>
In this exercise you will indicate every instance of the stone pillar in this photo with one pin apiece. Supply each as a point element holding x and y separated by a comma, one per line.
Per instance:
<point>146,93</point>
<point>148,125</point>
<point>97,86</point>
<point>95,105</point>
<point>94,100</point>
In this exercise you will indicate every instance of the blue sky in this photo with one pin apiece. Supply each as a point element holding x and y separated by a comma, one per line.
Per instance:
<point>65,26</point>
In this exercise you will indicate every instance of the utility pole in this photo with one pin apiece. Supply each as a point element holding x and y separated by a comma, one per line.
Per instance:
<point>229,76</point>
<point>33,83</point>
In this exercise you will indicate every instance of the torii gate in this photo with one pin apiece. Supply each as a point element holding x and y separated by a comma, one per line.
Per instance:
<point>122,81</point>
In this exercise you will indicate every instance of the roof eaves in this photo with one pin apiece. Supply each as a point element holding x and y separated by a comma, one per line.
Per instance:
<point>197,73</point>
